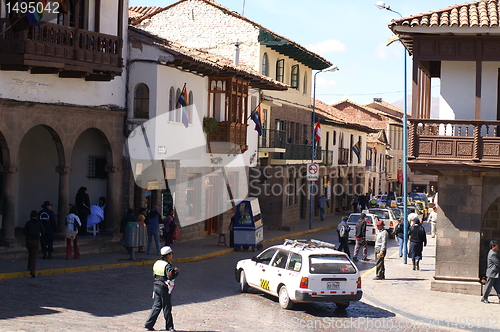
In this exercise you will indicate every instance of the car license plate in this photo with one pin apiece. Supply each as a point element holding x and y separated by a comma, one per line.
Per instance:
<point>333,285</point>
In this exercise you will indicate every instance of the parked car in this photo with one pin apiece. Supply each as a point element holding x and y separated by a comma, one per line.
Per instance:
<point>371,230</point>
<point>421,206</point>
<point>413,209</point>
<point>381,200</point>
<point>398,213</point>
<point>399,200</point>
<point>388,217</point>
<point>302,271</point>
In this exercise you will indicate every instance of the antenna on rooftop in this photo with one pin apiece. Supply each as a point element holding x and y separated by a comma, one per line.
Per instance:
<point>243,10</point>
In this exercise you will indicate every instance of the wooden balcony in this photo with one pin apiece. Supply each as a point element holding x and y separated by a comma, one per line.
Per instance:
<point>453,144</point>
<point>47,48</point>
<point>343,156</point>
<point>230,137</point>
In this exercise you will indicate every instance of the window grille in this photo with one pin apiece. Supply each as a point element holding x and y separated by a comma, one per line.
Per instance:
<point>97,167</point>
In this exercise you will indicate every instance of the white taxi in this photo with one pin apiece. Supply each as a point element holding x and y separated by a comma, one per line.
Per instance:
<point>371,221</point>
<point>302,271</point>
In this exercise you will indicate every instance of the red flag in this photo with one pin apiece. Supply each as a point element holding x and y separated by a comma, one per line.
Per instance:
<point>317,132</point>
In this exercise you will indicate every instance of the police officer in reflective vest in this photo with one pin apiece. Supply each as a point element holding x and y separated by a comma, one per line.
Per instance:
<point>164,274</point>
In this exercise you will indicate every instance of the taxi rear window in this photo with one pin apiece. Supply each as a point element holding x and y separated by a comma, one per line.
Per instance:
<point>330,264</point>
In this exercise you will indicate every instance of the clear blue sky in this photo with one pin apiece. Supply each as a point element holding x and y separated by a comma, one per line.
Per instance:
<point>352,34</point>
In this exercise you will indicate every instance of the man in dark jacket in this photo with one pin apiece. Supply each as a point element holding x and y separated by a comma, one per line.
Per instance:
<point>34,230</point>
<point>343,230</point>
<point>492,272</point>
<point>48,219</point>
<point>361,238</point>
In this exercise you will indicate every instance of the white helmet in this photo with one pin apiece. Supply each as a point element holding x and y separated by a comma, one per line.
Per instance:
<point>165,250</point>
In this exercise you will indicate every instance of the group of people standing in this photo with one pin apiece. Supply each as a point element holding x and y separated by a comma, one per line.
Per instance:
<point>155,223</point>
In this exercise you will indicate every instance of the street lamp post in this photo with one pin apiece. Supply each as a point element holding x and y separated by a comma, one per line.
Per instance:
<point>313,143</point>
<point>383,5</point>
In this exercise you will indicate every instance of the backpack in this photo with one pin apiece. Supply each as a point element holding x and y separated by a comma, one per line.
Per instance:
<point>343,231</point>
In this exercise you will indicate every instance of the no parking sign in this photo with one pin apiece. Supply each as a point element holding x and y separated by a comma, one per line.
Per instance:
<point>312,172</point>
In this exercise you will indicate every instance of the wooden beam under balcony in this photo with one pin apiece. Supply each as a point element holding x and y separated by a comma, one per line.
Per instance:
<point>44,70</point>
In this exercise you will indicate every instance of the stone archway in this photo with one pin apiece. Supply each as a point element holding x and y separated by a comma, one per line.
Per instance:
<point>490,230</point>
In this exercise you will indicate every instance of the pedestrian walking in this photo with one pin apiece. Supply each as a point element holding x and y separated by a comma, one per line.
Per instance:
<point>343,230</point>
<point>170,226</point>
<point>153,222</point>
<point>48,219</point>
<point>354,203</point>
<point>492,272</point>
<point>432,220</point>
<point>72,223</point>
<point>361,238</point>
<point>33,230</point>
<point>399,233</point>
<point>418,240</point>
<point>141,219</point>
<point>322,204</point>
<point>82,203</point>
<point>164,274</point>
<point>380,250</point>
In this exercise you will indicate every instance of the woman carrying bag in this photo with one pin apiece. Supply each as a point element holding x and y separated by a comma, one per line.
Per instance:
<point>72,224</point>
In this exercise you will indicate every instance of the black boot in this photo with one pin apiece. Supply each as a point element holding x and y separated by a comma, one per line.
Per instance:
<point>414,266</point>
<point>418,264</point>
<point>44,255</point>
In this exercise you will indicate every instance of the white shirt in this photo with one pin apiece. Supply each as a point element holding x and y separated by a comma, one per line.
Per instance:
<point>381,240</point>
<point>432,216</point>
<point>71,219</point>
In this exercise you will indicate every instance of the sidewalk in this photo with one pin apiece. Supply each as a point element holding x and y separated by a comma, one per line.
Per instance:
<point>184,251</point>
<point>408,293</point>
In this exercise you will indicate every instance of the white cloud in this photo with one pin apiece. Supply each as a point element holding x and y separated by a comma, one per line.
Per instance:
<point>322,82</point>
<point>327,46</point>
<point>384,52</point>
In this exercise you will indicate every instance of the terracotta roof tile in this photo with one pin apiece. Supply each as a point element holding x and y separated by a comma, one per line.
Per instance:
<point>217,62</point>
<point>483,13</point>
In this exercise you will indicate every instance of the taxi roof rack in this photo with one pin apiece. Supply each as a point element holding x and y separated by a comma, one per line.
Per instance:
<point>309,243</point>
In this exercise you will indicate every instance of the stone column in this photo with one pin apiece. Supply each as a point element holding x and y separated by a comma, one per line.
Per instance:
<point>9,214</point>
<point>63,200</point>
<point>112,216</point>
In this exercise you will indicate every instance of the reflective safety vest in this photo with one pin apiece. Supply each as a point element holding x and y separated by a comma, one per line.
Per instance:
<point>159,268</point>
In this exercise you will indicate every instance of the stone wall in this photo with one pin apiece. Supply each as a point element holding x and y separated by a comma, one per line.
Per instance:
<point>458,232</point>
<point>203,26</point>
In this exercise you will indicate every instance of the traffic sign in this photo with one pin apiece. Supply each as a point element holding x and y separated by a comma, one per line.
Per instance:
<point>312,172</point>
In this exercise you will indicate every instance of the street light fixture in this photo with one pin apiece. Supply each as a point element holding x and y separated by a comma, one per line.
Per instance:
<point>383,5</point>
<point>313,143</point>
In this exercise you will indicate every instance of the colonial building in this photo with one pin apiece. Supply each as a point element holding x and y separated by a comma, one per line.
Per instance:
<point>459,45</point>
<point>62,109</point>
<point>286,115</point>
<point>177,159</point>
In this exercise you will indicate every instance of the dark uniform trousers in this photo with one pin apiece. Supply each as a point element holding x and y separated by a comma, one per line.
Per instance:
<point>163,300</point>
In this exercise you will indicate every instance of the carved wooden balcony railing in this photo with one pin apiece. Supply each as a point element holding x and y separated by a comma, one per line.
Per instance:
<point>454,142</point>
<point>229,132</point>
<point>328,157</point>
<point>47,48</point>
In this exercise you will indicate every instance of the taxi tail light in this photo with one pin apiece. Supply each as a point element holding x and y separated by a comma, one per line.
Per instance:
<point>359,282</point>
<point>304,282</point>
<point>391,224</point>
<point>373,231</point>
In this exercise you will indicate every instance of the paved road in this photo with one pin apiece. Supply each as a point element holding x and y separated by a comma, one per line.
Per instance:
<point>206,298</point>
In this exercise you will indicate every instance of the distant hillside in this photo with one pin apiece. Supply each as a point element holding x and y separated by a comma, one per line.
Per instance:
<point>434,106</point>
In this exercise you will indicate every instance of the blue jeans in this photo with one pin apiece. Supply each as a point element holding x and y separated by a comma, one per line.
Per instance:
<point>153,233</point>
<point>400,243</point>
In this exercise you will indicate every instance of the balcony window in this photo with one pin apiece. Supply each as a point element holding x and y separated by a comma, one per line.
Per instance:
<point>280,70</point>
<point>141,101</point>
<point>228,99</point>
<point>265,65</point>
<point>294,77</point>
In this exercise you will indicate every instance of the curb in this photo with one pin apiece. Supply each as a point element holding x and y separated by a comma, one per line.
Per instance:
<point>150,262</point>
